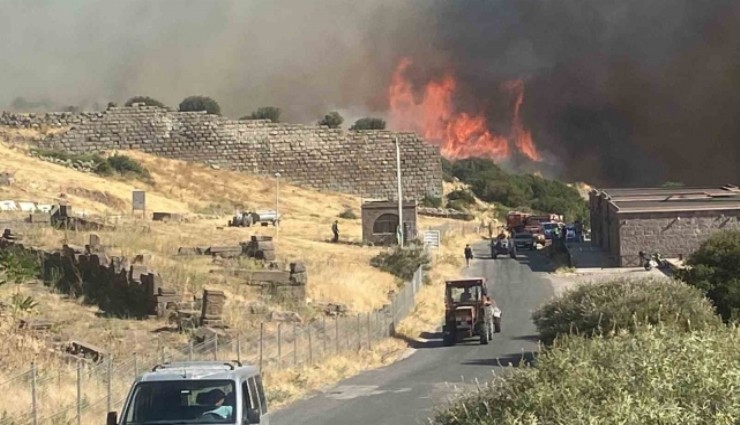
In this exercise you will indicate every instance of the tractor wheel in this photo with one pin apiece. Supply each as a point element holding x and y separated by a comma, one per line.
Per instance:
<point>448,339</point>
<point>484,334</point>
<point>497,325</point>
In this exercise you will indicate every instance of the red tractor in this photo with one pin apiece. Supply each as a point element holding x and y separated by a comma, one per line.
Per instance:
<point>469,312</point>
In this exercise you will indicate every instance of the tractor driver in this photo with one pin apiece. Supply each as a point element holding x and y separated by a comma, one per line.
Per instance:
<point>466,295</point>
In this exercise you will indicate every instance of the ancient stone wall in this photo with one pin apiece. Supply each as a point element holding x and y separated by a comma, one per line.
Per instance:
<point>667,234</point>
<point>356,162</point>
<point>52,119</point>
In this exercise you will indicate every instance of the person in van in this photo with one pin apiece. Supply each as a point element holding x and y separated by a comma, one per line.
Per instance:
<point>216,399</point>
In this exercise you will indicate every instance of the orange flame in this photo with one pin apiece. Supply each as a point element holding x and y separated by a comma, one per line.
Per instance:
<point>459,134</point>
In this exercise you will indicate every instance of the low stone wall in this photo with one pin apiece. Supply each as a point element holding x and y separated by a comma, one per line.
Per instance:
<point>52,119</point>
<point>112,283</point>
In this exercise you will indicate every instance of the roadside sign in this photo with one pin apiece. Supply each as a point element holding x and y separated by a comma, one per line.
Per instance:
<point>432,238</point>
<point>138,200</point>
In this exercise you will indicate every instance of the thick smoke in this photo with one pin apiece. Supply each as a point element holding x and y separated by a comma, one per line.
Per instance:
<point>628,92</point>
<point>306,57</point>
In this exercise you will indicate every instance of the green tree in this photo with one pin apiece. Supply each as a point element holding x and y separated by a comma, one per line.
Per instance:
<point>715,269</point>
<point>200,103</point>
<point>264,113</point>
<point>146,100</point>
<point>332,120</point>
<point>368,124</point>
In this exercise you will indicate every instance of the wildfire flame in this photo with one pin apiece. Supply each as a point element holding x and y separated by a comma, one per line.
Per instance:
<point>459,134</point>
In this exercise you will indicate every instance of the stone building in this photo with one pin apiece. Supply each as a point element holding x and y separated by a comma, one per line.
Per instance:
<point>670,221</point>
<point>380,221</point>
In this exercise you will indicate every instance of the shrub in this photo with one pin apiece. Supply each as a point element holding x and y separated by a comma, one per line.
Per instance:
<point>146,100</point>
<point>200,103</point>
<point>715,269</point>
<point>332,120</point>
<point>608,307</point>
<point>368,124</point>
<point>462,195</point>
<point>127,166</point>
<point>402,262</point>
<point>265,113</point>
<point>348,214</point>
<point>431,201</point>
<point>491,184</point>
<point>655,376</point>
<point>18,265</point>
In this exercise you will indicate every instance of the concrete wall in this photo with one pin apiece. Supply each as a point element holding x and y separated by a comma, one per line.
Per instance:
<point>361,163</point>
<point>664,233</point>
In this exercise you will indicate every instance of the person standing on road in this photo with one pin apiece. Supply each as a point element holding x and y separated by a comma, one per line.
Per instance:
<point>468,255</point>
<point>335,230</point>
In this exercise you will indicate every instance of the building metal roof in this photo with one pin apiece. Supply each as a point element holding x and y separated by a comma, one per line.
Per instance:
<point>672,199</point>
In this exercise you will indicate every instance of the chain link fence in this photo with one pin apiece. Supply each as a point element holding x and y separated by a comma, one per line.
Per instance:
<point>83,393</point>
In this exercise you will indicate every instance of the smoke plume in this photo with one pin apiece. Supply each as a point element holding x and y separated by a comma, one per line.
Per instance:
<point>632,92</point>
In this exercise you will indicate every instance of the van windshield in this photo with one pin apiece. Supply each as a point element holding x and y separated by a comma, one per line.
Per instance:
<point>186,401</point>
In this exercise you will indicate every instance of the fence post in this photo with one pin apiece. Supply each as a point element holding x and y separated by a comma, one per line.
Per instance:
<point>136,365</point>
<point>108,372</point>
<point>262,341</point>
<point>359,336</point>
<point>215,347</point>
<point>280,345</point>
<point>323,328</point>
<point>238,348</point>
<point>295,346</point>
<point>336,332</point>
<point>310,345</point>
<point>33,394</point>
<point>369,342</point>
<point>79,392</point>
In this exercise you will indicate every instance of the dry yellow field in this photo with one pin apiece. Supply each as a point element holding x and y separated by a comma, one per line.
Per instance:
<point>337,272</point>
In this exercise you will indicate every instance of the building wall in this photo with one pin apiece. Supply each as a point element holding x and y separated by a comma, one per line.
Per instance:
<point>357,162</point>
<point>369,215</point>
<point>664,233</point>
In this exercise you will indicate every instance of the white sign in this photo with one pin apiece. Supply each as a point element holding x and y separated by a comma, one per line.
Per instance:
<point>138,200</point>
<point>432,238</point>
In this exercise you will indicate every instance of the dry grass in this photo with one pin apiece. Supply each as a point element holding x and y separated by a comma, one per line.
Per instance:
<point>337,272</point>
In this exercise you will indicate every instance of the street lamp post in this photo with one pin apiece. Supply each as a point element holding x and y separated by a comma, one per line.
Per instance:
<point>399,232</point>
<point>277,201</point>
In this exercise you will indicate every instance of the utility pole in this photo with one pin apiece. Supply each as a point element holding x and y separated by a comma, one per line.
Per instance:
<point>277,200</point>
<point>399,233</point>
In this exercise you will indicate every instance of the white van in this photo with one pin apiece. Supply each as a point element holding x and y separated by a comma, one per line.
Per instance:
<point>195,393</point>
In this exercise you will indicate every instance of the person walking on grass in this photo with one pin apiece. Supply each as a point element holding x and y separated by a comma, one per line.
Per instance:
<point>468,255</point>
<point>335,230</point>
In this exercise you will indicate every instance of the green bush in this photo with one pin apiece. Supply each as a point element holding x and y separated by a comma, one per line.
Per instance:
<point>715,269</point>
<point>18,266</point>
<point>127,166</point>
<point>461,195</point>
<point>654,376</point>
<point>605,308</point>
<point>348,214</point>
<point>265,113</point>
<point>146,100</point>
<point>402,262</point>
<point>431,201</point>
<point>200,103</point>
<point>491,184</point>
<point>368,123</point>
<point>332,120</point>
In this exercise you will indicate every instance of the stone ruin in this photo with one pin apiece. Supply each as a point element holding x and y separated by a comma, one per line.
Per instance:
<point>259,247</point>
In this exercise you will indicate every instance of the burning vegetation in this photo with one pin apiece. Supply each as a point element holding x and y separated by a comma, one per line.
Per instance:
<point>460,134</point>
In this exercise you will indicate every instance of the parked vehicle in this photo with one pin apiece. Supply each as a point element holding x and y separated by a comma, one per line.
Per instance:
<point>196,392</point>
<point>655,260</point>
<point>525,240</point>
<point>468,312</point>
<point>570,234</point>
<point>502,246</point>
<point>249,218</point>
<point>549,228</point>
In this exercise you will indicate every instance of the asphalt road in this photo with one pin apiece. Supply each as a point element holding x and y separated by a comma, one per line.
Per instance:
<point>408,391</point>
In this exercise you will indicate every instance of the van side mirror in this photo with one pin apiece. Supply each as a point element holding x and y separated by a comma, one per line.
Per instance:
<point>253,416</point>
<point>112,418</point>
